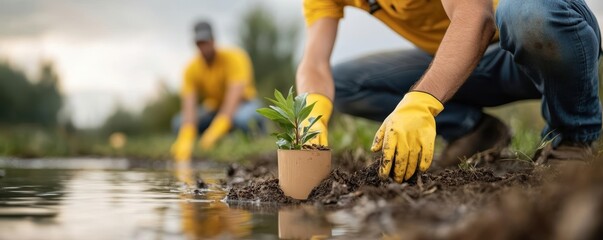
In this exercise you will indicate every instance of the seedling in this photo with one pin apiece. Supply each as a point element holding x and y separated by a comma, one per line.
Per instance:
<point>299,171</point>
<point>466,165</point>
<point>289,114</point>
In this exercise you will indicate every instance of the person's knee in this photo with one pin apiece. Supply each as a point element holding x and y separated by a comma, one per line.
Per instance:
<point>347,84</point>
<point>535,33</point>
<point>527,20</point>
<point>354,107</point>
<point>522,11</point>
<point>530,27</point>
<point>347,78</point>
<point>240,124</point>
<point>247,121</point>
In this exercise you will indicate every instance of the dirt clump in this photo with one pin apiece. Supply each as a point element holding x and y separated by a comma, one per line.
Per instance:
<point>337,186</point>
<point>315,147</point>
<point>511,200</point>
<point>549,204</point>
<point>262,191</point>
<point>342,188</point>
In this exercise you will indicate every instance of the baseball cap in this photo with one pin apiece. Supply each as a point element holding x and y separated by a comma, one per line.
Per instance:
<point>203,31</point>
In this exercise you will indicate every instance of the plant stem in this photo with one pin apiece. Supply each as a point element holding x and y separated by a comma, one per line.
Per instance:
<point>297,140</point>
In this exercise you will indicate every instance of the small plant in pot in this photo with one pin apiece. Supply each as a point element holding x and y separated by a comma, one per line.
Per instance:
<point>300,166</point>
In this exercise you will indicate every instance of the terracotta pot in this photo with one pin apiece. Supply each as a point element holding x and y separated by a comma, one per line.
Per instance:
<point>299,171</point>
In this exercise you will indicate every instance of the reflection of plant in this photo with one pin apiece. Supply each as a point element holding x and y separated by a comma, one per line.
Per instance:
<point>289,113</point>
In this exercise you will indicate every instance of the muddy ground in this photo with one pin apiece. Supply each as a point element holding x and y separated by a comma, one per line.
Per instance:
<point>498,200</point>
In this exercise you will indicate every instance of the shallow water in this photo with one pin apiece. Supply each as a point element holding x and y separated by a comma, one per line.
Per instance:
<point>103,199</point>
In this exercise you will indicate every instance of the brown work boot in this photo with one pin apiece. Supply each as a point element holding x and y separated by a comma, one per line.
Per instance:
<point>490,134</point>
<point>566,154</point>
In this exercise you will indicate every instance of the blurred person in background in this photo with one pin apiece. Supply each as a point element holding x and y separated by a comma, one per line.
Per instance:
<point>221,81</point>
<point>469,54</point>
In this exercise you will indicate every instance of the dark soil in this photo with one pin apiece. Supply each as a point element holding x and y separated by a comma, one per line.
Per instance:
<point>315,147</point>
<point>511,200</point>
<point>339,184</point>
<point>341,188</point>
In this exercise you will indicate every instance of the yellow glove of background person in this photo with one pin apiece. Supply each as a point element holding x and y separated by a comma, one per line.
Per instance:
<point>407,136</point>
<point>322,107</point>
<point>216,130</point>
<point>182,149</point>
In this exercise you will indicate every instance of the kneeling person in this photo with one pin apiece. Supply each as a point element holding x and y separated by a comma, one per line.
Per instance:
<point>221,79</point>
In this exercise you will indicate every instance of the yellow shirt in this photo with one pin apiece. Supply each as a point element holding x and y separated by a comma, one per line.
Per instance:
<point>422,22</point>
<point>231,65</point>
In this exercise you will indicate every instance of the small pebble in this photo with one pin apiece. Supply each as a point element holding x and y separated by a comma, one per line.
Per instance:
<point>231,170</point>
<point>201,184</point>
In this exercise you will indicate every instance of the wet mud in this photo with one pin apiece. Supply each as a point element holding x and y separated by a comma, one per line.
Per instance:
<point>510,200</point>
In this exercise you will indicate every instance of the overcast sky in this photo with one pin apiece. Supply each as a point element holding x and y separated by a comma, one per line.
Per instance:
<point>115,51</point>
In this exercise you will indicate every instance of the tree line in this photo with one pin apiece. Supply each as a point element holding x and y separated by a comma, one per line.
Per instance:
<point>35,101</point>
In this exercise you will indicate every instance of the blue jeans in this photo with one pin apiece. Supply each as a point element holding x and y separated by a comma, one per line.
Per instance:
<point>548,50</point>
<point>245,118</point>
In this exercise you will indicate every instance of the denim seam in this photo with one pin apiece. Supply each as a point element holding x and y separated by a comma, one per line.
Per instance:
<point>582,55</point>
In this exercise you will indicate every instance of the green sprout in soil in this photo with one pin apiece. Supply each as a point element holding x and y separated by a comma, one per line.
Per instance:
<point>466,165</point>
<point>289,113</point>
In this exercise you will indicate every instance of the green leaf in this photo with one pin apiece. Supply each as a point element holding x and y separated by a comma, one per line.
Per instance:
<point>285,126</point>
<point>300,103</point>
<point>283,139</point>
<point>276,117</point>
<point>283,144</point>
<point>269,113</point>
<point>279,96</point>
<point>305,130</point>
<point>305,112</point>
<point>289,113</point>
<point>313,120</point>
<point>284,115</point>
<point>283,103</point>
<point>290,101</point>
<point>285,136</point>
<point>309,136</point>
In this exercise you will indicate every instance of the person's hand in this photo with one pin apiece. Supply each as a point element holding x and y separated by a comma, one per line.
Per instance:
<point>182,149</point>
<point>322,107</point>
<point>216,130</point>
<point>407,136</point>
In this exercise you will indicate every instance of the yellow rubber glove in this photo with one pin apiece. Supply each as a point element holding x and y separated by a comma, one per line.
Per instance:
<point>407,136</point>
<point>217,129</point>
<point>322,107</point>
<point>182,149</point>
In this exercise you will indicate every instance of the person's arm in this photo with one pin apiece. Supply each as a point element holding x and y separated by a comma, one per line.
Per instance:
<point>471,28</point>
<point>407,136</point>
<point>314,74</point>
<point>239,74</point>
<point>189,108</point>
<point>314,70</point>
<point>222,123</point>
<point>232,99</point>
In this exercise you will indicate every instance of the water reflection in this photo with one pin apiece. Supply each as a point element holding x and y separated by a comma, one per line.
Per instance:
<point>299,224</point>
<point>212,217</point>
<point>184,203</point>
